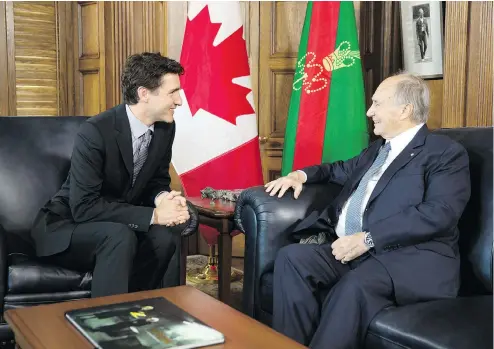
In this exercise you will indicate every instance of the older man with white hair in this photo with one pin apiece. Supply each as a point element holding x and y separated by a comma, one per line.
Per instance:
<point>392,232</point>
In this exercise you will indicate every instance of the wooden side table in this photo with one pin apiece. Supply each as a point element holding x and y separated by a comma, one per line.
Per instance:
<point>218,214</point>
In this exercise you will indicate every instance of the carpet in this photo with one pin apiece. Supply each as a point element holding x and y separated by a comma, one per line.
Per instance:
<point>196,263</point>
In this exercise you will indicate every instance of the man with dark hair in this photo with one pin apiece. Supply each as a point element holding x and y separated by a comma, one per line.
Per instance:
<point>115,213</point>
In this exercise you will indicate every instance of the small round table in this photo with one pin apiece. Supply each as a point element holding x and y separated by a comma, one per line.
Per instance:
<point>218,214</point>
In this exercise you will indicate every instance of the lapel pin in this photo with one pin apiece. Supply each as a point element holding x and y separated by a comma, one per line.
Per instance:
<point>412,154</point>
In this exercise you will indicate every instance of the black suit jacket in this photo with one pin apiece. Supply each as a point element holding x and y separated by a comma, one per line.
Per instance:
<point>412,213</point>
<point>99,187</point>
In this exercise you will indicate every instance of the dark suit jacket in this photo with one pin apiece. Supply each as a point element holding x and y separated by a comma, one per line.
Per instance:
<point>99,188</point>
<point>418,27</point>
<point>412,213</point>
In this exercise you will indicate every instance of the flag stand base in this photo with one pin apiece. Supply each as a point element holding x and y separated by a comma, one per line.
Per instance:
<point>209,274</point>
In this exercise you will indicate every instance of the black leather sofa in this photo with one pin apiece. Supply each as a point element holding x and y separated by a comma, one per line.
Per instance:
<point>34,161</point>
<point>461,323</point>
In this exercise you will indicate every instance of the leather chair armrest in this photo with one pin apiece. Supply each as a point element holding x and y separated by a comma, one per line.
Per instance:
<point>268,222</point>
<point>3,267</point>
<point>193,225</point>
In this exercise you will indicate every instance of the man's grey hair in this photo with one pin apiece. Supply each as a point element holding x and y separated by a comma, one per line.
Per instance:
<point>413,90</point>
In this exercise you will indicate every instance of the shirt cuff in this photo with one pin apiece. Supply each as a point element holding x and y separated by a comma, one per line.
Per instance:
<point>152,219</point>
<point>161,192</point>
<point>305,174</point>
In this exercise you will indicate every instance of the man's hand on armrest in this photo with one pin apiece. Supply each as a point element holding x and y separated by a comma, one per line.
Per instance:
<point>294,180</point>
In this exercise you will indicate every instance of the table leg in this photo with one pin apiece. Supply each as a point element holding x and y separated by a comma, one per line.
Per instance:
<point>225,261</point>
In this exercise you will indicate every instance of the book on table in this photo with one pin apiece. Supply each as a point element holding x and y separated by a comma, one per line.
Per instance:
<point>153,323</point>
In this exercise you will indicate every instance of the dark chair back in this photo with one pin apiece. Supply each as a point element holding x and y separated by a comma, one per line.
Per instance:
<point>476,243</point>
<point>35,159</point>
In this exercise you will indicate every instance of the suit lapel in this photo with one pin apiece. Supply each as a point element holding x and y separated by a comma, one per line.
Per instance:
<point>407,154</point>
<point>124,138</point>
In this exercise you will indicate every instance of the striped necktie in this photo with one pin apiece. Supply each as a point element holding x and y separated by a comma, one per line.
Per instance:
<point>353,219</point>
<point>141,153</point>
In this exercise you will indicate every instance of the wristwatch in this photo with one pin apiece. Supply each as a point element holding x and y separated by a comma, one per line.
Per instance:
<point>368,240</point>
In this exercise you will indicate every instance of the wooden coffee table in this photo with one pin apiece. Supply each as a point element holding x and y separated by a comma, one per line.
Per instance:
<point>45,326</point>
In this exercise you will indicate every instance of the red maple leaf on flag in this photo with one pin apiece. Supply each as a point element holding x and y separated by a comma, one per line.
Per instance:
<point>209,70</point>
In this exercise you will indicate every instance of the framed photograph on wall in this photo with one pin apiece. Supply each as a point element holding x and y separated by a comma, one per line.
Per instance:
<point>422,37</point>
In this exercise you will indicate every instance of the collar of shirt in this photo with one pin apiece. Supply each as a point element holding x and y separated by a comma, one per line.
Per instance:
<point>399,142</point>
<point>137,127</point>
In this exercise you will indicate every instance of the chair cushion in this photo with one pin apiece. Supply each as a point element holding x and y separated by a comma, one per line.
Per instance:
<point>453,323</point>
<point>28,276</point>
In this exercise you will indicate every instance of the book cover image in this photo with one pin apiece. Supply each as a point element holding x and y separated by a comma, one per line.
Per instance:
<point>153,323</point>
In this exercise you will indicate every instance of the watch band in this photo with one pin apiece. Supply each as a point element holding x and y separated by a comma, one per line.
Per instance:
<point>368,239</point>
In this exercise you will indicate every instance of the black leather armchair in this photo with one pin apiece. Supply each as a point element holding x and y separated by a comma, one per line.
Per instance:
<point>34,161</point>
<point>464,322</point>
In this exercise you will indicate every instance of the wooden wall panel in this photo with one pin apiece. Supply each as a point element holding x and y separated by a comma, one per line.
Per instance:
<point>436,107</point>
<point>9,23</point>
<point>109,32</point>
<point>137,27</point>
<point>89,36</point>
<point>35,57</point>
<point>89,42</point>
<point>455,64</point>
<point>479,95</point>
<point>287,22</point>
<point>66,60</point>
<point>4,77</point>
<point>282,91</point>
<point>277,59</point>
<point>91,95</point>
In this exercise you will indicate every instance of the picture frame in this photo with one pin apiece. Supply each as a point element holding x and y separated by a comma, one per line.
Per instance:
<point>422,38</point>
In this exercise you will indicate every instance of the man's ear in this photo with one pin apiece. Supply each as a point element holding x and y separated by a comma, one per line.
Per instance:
<point>406,111</point>
<point>143,94</point>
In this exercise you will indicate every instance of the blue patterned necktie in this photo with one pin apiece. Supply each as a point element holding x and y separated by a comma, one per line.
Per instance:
<point>353,219</point>
<point>141,153</point>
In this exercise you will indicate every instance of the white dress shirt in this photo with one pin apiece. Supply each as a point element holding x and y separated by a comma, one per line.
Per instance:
<point>398,143</point>
<point>137,128</point>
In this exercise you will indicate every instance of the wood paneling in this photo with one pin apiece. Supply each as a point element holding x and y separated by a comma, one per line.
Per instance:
<point>136,27</point>
<point>4,77</point>
<point>66,60</point>
<point>109,32</point>
<point>436,107</point>
<point>33,59</point>
<point>479,95</point>
<point>282,81</point>
<point>455,49</point>
<point>286,26</point>
<point>89,38</point>
<point>277,58</point>
<point>91,98</point>
<point>9,19</point>
<point>90,86</point>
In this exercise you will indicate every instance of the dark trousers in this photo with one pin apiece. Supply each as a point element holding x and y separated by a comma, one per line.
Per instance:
<point>322,303</point>
<point>422,44</point>
<point>123,260</point>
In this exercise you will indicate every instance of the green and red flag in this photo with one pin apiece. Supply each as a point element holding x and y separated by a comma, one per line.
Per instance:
<point>326,118</point>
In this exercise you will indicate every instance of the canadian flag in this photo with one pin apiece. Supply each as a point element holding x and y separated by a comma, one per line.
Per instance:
<point>216,142</point>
